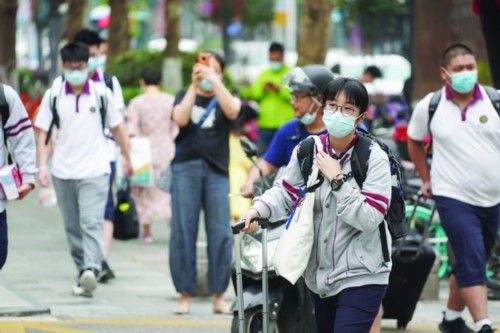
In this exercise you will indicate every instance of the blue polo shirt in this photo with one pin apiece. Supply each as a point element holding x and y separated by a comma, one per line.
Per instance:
<point>284,141</point>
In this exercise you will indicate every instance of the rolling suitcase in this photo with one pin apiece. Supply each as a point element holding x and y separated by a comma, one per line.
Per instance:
<point>239,277</point>
<point>412,260</point>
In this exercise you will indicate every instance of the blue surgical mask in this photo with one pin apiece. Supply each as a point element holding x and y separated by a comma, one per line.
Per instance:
<point>206,85</point>
<point>308,118</point>
<point>93,63</point>
<point>276,65</point>
<point>339,125</point>
<point>76,77</point>
<point>463,82</point>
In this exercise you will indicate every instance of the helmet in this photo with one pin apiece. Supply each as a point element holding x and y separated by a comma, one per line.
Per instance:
<point>311,79</point>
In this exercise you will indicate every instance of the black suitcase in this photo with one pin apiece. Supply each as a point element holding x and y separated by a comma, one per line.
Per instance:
<point>412,260</point>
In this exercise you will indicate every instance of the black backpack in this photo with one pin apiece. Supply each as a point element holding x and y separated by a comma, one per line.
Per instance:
<point>101,101</point>
<point>126,219</point>
<point>492,93</point>
<point>396,215</point>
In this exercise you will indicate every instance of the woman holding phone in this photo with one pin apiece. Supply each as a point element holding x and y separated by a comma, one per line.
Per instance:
<point>200,180</point>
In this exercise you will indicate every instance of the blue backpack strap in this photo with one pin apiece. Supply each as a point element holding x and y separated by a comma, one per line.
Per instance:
<point>494,97</point>
<point>210,107</point>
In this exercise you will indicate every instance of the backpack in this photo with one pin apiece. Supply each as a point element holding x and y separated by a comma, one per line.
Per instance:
<point>395,216</point>
<point>58,86</point>
<point>108,81</point>
<point>492,93</point>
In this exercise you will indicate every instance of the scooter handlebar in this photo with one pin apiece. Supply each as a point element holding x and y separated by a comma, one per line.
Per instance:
<point>238,226</point>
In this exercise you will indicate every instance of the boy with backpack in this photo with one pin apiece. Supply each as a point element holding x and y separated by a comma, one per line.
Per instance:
<point>80,110</point>
<point>96,63</point>
<point>464,181</point>
<point>18,132</point>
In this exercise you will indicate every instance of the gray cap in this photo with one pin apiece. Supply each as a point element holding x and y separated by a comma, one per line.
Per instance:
<point>311,79</point>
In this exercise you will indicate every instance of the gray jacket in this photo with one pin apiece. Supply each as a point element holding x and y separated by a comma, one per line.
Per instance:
<point>347,251</point>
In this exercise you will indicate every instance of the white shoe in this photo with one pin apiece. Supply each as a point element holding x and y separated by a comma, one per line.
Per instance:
<point>78,291</point>
<point>88,282</point>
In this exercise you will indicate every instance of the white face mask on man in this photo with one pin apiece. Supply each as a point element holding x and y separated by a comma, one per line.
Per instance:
<point>309,117</point>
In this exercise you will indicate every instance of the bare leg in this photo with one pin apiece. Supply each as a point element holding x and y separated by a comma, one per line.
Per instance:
<point>455,300</point>
<point>377,323</point>
<point>476,299</point>
<point>108,237</point>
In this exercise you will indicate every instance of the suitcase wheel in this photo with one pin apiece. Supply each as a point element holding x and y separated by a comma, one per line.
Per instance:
<point>402,324</point>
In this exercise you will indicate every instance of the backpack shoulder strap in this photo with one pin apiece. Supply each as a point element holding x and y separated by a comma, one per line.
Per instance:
<point>494,97</point>
<point>4,106</point>
<point>55,90</point>
<point>108,80</point>
<point>305,156</point>
<point>436,97</point>
<point>360,157</point>
<point>102,102</point>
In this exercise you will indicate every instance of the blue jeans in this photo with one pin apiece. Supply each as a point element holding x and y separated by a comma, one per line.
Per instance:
<point>3,238</point>
<point>195,185</point>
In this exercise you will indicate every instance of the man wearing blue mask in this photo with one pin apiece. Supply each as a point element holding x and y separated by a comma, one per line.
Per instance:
<point>96,63</point>
<point>306,85</point>
<point>80,110</point>
<point>272,96</point>
<point>463,118</point>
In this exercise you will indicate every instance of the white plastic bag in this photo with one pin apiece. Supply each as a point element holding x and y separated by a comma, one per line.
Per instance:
<point>294,247</point>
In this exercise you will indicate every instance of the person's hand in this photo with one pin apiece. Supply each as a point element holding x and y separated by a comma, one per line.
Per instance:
<point>196,74</point>
<point>249,217</point>
<point>43,176</point>
<point>426,190</point>
<point>127,167</point>
<point>208,73</point>
<point>246,190</point>
<point>269,86</point>
<point>24,189</point>
<point>328,166</point>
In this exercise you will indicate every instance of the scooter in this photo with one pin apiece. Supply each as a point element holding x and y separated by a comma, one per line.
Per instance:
<point>289,308</point>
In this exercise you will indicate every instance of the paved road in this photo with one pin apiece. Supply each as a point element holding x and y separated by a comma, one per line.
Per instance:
<point>39,275</point>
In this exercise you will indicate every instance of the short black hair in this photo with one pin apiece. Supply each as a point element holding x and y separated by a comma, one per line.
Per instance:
<point>151,76</point>
<point>88,37</point>
<point>373,71</point>
<point>276,47</point>
<point>355,92</point>
<point>220,59</point>
<point>74,52</point>
<point>454,50</point>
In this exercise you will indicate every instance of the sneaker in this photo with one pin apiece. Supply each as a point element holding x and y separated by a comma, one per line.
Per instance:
<point>106,273</point>
<point>486,329</point>
<point>88,281</point>
<point>79,291</point>
<point>454,326</point>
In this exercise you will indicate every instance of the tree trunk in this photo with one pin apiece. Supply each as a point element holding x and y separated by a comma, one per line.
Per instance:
<point>490,20</point>
<point>173,11</point>
<point>8,10</point>
<point>172,64</point>
<point>73,20</point>
<point>428,43</point>
<point>314,32</point>
<point>119,38</point>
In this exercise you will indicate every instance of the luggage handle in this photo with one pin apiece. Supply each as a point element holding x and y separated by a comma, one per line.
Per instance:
<point>238,226</point>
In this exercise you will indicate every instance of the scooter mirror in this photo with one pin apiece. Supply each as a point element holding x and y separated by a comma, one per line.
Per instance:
<point>249,147</point>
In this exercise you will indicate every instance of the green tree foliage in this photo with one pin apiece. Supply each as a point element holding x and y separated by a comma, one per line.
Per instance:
<point>251,12</point>
<point>379,19</point>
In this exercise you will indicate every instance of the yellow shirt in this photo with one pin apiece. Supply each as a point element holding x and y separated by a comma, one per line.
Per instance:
<point>239,165</point>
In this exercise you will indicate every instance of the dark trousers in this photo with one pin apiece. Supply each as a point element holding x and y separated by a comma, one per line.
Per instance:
<point>351,311</point>
<point>3,238</point>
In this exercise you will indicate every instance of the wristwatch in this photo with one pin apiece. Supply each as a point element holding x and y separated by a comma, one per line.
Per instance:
<point>337,182</point>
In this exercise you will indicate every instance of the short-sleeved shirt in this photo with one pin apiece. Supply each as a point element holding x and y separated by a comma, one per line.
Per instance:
<point>284,141</point>
<point>466,147</point>
<point>210,142</point>
<point>80,149</point>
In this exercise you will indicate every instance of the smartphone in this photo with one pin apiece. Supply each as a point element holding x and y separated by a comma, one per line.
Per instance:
<point>204,59</point>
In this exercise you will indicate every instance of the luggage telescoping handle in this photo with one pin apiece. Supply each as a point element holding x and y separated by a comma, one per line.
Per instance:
<point>237,227</point>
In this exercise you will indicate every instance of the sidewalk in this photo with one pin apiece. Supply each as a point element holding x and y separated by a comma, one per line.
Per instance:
<point>39,275</point>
